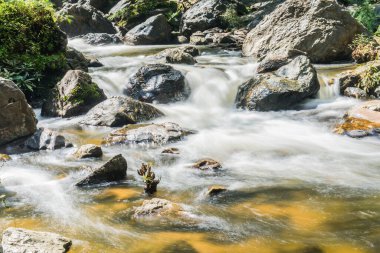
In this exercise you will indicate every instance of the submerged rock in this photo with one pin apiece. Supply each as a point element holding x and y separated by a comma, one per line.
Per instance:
<point>83,19</point>
<point>361,120</point>
<point>215,190</point>
<point>17,118</point>
<point>120,111</point>
<point>89,151</point>
<point>157,83</point>
<point>156,208</point>
<point>280,90</point>
<point>155,30</point>
<point>113,170</point>
<point>207,164</point>
<point>17,240</point>
<point>74,95</point>
<point>147,134</point>
<point>321,29</point>
<point>46,139</point>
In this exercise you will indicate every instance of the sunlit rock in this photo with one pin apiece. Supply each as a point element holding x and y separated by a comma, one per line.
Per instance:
<point>88,151</point>
<point>207,164</point>
<point>157,208</point>
<point>17,240</point>
<point>46,139</point>
<point>215,190</point>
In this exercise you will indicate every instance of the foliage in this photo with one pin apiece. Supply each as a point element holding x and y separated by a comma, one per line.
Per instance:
<point>370,80</point>
<point>234,17</point>
<point>83,93</point>
<point>365,14</point>
<point>364,49</point>
<point>149,178</point>
<point>140,9</point>
<point>31,43</point>
<point>377,33</point>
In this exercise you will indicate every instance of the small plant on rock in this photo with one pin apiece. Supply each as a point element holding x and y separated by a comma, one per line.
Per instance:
<point>370,80</point>
<point>149,178</point>
<point>364,49</point>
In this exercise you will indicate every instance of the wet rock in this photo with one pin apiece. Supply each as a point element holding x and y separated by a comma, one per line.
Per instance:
<point>156,208</point>
<point>16,240</point>
<point>158,134</point>
<point>83,19</point>
<point>357,133</point>
<point>101,38</point>
<point>207,164</point>
<point>173,151</point>
<point>191,50</point>
<point>364,117</point>
<point>260,10</point>
<point>155,30</point>
<point>89,151</point>
<point>180,57</point>
<point>355,93</point>
<point>353,78</point>
<point>215,190</point>
<point>272,64</point>
<point>218,37</point>
<point>320,29</point>
<point>74,95</point>
<point>17,118</point>
<point>157,83</point>
<point>95,63</point>
<point>182,39</point>
<point>5,158</point>
<point>76,60</point>
<point>113,170</point>
<point>120,111</point>
<point>280,90</point>
<point>46,139</point>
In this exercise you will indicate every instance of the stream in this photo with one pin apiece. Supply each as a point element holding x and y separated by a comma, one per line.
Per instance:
<point>294,186</point>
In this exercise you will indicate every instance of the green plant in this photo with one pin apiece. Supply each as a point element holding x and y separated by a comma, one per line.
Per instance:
<point>31,44</point>
<point>364,49</point>
<point>149,178</point>
<point>370,80</point>
<point>234,17</point>
<point>365,14</point>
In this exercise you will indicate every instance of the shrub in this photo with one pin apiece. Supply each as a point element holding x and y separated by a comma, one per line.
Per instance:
<point>31,44</point>
<point>149,178</point>
<point>364,49</point>
<point>366,15</point>
<point>138,10</point>
<point>234,17</point>
<point>370,80</point>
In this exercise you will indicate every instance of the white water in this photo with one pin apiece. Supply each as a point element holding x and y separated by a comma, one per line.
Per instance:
<point>255,148</point>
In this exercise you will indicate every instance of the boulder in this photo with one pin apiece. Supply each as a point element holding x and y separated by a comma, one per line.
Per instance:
<point>46,139</point>
<point>155,30</point>
<point>101,5</point>
<point>191,50</point>
<point>74,95</point>
<point>217,37</point>
<point>88,151</point>
<point>113,170</point>
<point>120,111</point>
<point>287,86</point>
<point>17,118</point>
<point>17,240</point>
<point>100,38</point>
<point>158,134</point>
<point>321,29</point>
<point>260,10</point>
<point>157,83</point>
<point>204,15</point>
<point>361,120</point>
<point>355,92</point>
<point>207,164</point>
<point>180,57</point>
<point>156,208</point>
<point>76,60</point>
<point>83,19</point>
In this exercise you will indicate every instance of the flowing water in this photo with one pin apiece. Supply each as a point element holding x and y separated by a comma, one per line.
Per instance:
<point>293,185</point>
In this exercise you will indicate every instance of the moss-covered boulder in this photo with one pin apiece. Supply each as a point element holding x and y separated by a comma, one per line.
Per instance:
<point>74,95</point>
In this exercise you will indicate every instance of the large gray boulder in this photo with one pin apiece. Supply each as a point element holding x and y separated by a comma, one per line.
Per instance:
<point>113,170</point>
<point>17,118</point>
<point>155,30</point>
<point>17,240</point>
<point>287,86</point>
<point>84,19</point>
<point>147,134</point>
<point>74,95</point>
<point>157,83</point>
<point>120,111</point>
<point>46,139</point>
<point>321,29</point>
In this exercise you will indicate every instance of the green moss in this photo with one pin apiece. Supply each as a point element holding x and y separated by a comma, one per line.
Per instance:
<point>31,44</point>
<point>84,93</point>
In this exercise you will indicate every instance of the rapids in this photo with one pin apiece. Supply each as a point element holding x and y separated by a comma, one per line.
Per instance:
<point>294,185</point>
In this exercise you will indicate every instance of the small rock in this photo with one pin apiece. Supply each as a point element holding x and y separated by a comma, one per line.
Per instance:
<point>215,190</point>
<point>5,158</point>
<point>207,164</point>
<point>158,134</point>
<point>100,38</point>
<point>95,63</point>
<point>46,139</point>
<point>180,57</point>
<point>113,170</point>
<point>355,93</point>
<point>357,133</point>
<point>174,151</point>
<point>156,208</point>
<point>89,151</point>
<point>17,240</point>
<point>182,39</point>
